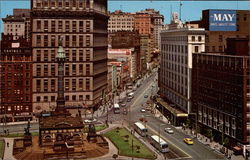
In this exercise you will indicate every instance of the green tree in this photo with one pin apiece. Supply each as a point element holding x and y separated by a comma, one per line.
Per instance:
<point>127,137</point>
<point>209,134</point>
<point>226,143</point>
<point>138,148</point>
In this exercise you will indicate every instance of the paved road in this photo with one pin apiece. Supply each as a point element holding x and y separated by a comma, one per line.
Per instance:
<point>197,151</point>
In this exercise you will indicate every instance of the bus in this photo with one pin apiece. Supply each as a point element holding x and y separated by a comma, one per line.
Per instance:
<point>116,108</point>
<point>140,129</point>
<point>159,143</point>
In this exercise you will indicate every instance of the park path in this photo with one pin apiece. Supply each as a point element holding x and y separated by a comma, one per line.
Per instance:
<point>8,152</point>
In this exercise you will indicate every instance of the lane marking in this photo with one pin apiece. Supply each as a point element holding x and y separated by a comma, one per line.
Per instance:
<point>189,156</point>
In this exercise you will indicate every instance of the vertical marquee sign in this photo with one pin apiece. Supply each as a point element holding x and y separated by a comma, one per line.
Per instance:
<point>222,20</point>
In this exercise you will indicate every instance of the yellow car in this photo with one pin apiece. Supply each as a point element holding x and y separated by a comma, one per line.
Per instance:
<point>188,141</point>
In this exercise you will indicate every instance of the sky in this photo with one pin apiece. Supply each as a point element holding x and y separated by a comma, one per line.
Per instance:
<point>191,10</point>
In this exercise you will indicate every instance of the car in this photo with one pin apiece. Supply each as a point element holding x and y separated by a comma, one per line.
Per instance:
<point>125,112</point>
<point>145,96</point>
<point>143,110</point>
<point>123,104</point>
<point>168,130</point>
<point>188,141</point>
<point>128,100</point>
<point>90,120</point>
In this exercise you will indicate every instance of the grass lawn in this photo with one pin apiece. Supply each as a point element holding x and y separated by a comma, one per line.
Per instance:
<point>100,127</point>
<point>1,149</point>
<point>125,148</point>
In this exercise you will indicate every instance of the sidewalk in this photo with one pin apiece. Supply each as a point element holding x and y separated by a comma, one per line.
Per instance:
<point>8,152</point>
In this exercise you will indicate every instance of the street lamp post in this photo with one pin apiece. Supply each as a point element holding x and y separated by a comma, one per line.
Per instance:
<point>159,132</point>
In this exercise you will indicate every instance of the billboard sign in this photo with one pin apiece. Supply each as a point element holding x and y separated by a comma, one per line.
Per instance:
<point>222,20</point>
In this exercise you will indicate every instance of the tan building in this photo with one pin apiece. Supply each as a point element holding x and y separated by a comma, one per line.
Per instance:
<point>83,26</point>
<point>120,21</point>
<point>216,40</point>
<point>17,24</point>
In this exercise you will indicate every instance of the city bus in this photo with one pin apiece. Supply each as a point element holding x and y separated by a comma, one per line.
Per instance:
<point>116,108</point>
<point>159,143</point>
<point>140,129</point>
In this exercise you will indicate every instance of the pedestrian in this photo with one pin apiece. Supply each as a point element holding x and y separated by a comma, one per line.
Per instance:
<point>7,144</point>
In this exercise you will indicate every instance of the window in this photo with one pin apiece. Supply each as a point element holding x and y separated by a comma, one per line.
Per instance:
<point>196,49</point>
<point>53,55</point>
<point>80,69</point>
<point>53,3</point>
<point>53,41</point>
<point>87,26</point>
<point>67,26</point>
<point>60,3</point>
<point>45,85</point>
<point>38,55</point>
<point>74,41</point>
<point>193,38</point>
<point>81,98</point>
<point>87,55</point>
<point>45,41</point>
<point>199,38</point>
<point>87,97</point>
<point>67,41</point>
<point>74,3</point>
<point>53,98</point>
<point>53,26</point>
<point>80,84</point>
<point>45,58</point>
<point>67,55</point>
<point>73,55</point>
<point>213,48</point>
<point>81,26</point>
<point>38,70</point>
<point>88,40</point>
<point>66,84</point>
<point>73,84</point>
<point>38,40</point>
<point>45,71</point>
<point>60,26</point>
<point>46,26</point>
<point>38,25</point>
<point>38,85</point>
<point>67,3</point>
<point>67,69</point>
<point>74,97</point>
<point>53,84</point>
<point>45,99</point>
<point>38,99</point>
<point>220,49</point>
<point>80,41</point>
<point>53,70</point>
<point>67,98</point>
<point>88,69</point>
<point>74,26</point>
<point>73,69</point>
<point>87,84</point>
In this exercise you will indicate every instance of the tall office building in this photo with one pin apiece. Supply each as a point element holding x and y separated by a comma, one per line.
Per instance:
<point>120,21</point>
<point>83,26</point>
<point>177,48</point>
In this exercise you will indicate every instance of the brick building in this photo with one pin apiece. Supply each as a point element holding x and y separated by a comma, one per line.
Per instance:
<point>221,92</point>
<point>16,79</point>
<point>83,26</point>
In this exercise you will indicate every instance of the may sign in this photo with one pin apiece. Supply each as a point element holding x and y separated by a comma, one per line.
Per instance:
<point>222,20</point>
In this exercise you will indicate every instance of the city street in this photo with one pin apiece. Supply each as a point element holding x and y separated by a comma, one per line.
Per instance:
<point>175,140</point>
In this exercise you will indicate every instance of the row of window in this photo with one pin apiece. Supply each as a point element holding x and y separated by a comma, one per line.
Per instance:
<point>176,99</point>
<point>69,69</point>
<point>47,85</point>
<point>63,26</point>
<point>63,3</point>
<point>67,98</point>
<point>15,108</point>
<point>68,41</point>
<point>174,48</point>
<point>71,55</point>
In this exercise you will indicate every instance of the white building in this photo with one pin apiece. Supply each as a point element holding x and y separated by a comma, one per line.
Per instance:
<point>177,47</point>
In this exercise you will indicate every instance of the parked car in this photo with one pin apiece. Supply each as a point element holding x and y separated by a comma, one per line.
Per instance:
<point>188,141</point>
<point>123,104</point>
<point>125,111</point>
<point>169,130</point>
<point>145,96</point>
<point>143,110</point>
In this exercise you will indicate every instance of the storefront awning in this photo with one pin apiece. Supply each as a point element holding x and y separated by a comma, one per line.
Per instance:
<point>175,111</point>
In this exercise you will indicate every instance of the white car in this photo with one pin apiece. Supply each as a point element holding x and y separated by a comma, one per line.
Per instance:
<point>169,130</point>
<point>143,110</point>
<point>90,120</point>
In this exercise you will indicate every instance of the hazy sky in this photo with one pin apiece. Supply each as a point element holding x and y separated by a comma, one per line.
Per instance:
<point>191,10</point>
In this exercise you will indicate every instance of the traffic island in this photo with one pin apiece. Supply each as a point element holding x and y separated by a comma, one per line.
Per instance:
<point>128,145</point>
